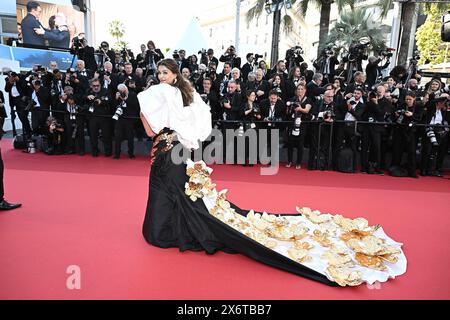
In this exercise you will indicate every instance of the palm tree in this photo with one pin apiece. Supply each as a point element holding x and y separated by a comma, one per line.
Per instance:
<point>256,11</point>
<point>325,9</point>
<point>117,31</point>
<point>353,26</point>
<point>407,15</point>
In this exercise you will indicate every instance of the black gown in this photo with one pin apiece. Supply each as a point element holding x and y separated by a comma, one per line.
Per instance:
<point>173,220</point>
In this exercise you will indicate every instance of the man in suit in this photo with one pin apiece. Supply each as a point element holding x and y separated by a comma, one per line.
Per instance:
<point>313,89</point>
<point>17,88</point>
<point>354,109</point>
<point>4,205</point>
<point>248,67</point>
<point>58,36</point>
<point>30,23</point>
<point>41,97</point>
<point>272,109</point>
<point>231,57</point>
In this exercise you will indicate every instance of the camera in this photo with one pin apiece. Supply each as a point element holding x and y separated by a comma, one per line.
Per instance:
<point>29,103</point>
<point>432,136</point>
<point>202,52</point>
<point>416,55</point>
<point>294,56</point>
<point>195,76</point>
<point>388,53</point>
<point>118,113</point>
<point>176,55</point>
<point>123,95</point>
<point>297,122</point>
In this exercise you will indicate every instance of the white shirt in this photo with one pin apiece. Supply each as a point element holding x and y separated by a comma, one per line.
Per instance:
<point>437,119</point>
<point>348,115</point>
<point>35,98</point>
<point>14,92</point>
<point>162,107</point>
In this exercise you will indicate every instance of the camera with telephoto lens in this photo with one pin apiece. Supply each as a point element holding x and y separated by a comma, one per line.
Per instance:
<point>432,136</point>
<point>176,55</point>
<point>29,103</point>
<point>388,52</point>
<point>328,114</point>
<point>297,122</point>
<point>119,111</point>
<point>202,52</point>
<point>195,76</point>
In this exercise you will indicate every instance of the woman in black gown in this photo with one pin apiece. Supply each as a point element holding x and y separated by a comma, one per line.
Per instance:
<point>173,114</point>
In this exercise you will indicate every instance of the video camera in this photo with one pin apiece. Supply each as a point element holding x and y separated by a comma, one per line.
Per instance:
<point>387,53</point>
<point>294,56</point>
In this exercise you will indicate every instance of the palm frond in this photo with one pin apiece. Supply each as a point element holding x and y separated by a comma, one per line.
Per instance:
<point>255,11</point>
<point>287,23</point>
<point>385,6</point>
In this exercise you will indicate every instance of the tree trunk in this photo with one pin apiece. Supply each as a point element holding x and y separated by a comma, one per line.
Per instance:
<point>275,37</point>
<point>324,24</point>
<point>408,12</point>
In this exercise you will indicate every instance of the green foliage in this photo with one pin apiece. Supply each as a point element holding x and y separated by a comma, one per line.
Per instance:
<point>117,31</point>
<point>428,37</point>
<point>352,26</point>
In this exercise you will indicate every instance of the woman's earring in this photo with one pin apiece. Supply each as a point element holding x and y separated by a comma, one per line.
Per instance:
<point>175,81</point>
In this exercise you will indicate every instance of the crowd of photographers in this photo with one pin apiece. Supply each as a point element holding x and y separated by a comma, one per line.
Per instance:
<point>343,114</point>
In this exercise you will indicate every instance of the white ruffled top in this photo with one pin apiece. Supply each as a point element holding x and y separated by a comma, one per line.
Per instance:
<point>162,107</point>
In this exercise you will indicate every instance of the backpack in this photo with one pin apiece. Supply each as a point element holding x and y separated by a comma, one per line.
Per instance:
<point>397,171</point>
<point>345,160</point>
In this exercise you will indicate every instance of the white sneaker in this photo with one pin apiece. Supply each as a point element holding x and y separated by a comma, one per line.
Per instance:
<point>298,167</point>
<point>289,165</point>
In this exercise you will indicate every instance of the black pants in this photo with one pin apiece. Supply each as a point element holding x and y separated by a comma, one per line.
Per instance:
<point>38,119</point>
<point>103,124</point>
<point>319,145</point>
<point>2,191</point>
<point>404,140</point>
<point>370,146</point>
<point>297,142</point>
<point>124,130</point>
<point>433,156</point>
<point>22,114</point>
<point>74,133</point>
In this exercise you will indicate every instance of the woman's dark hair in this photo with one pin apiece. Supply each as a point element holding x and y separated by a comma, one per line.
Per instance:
<point>411,94</point>
<point>187,92</point>
<point>292,72</point>
<point>51,22</point>
<point>249,92</point>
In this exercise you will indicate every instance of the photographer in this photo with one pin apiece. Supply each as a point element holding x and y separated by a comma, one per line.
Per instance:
<point>360,82</point>
<point>273,110</point>
<point>54,133</point>
<point>107,55</point>
<point>211,58</point>
<point>130,79</point>
<point>373,69</point>
<point>73,123</point>
<point>313,88</point>
<point>231,103</point>
<point>325,113</point>
<point>211,98</point>
<point>192,63</point>
<point>371,134</point>
<point>126,116</point>
<point>3,114</point>
<point>279,85</point>
<point>231,57</point>
<point>435,142</point>
<point>280,69</point>
<point>56,88</point>
<point>294,57</point>
<point>298,110</point>
<point>223,78</point>
<point>404,133</point>
<point>96,103</point>
<point>347,135</point>
<point>248,66</point>
<point>326,64</point>
<point>71,80</point>
<point>152,57</point>
<point>250,113</point>
<point>40,98</point>
<point>16,87</point>
<point>83,51</point>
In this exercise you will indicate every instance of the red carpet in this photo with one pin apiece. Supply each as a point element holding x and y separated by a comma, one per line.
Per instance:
<point>88,212</point>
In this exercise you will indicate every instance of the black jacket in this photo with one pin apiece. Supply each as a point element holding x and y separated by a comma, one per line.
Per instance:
<point>313,91</point>
<point>280,109</point>
<point>132,105</point>
<point>29,36</point>
<point>57,38</point>
<point>234,60</point>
